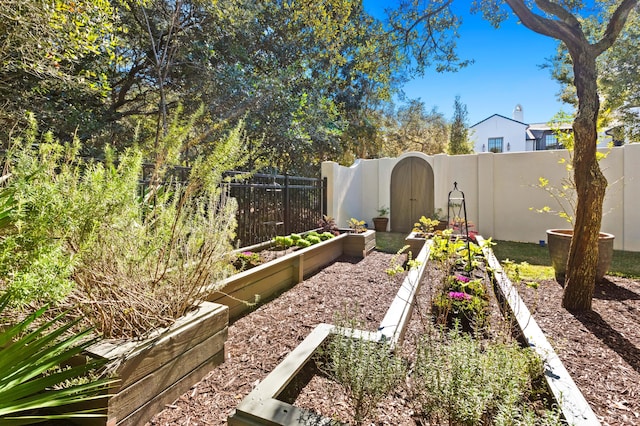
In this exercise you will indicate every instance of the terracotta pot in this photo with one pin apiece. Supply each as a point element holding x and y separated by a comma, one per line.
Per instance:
<point>559,241</point>
<point>380,223</point>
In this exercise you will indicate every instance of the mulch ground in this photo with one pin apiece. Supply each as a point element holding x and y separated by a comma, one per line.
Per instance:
<point>600,349</point>
<point>357,288</point>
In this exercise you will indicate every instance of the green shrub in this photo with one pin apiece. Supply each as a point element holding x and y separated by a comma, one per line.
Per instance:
<point>283,241</point>
<point>303,243</point>
<point>326,236</point>
<point>459,380</point>
<point>425,226</point>
<point>357,226</point>
<point>85,236</point>
<point>368,370</point>
<point>246,260</point>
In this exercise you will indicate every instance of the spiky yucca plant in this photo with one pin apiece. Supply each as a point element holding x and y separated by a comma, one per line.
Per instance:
<point>32,376</point>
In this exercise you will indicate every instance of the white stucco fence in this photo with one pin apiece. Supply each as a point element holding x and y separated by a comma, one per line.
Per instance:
<point>499,191</point>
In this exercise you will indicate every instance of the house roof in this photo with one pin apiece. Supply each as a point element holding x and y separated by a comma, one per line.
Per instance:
<point>533,131</point>
<point>530,135</point>
<point>501,116</point>
<point>545,126</point>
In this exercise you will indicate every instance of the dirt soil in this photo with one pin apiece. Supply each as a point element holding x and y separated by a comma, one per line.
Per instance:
<point>601,349</point>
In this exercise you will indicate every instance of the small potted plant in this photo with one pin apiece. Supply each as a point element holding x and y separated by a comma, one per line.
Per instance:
<point>380,222</point>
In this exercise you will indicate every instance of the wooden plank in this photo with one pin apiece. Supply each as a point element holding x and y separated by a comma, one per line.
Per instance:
<point>317,259</point>
<point>265,288</point>
<point>248,277</point>
<point>147,356</point>
<point>277,275</point>
<point>143,414</point>
<point>415,243</point>
<point>396,320</point>
<point>298,269</point>
<point>573,404</point>
<point>360,244</point>
<point>281,413</point>
<point>261,406</point>
<point>400,218</point>
<point>146,389</point>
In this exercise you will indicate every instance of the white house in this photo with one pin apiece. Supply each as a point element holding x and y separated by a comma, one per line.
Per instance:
<point>498,133</point>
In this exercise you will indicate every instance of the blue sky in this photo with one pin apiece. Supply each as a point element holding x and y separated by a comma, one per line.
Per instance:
<point>506,72</point>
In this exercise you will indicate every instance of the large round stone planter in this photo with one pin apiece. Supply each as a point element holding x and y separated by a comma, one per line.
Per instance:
<point>559,241</point>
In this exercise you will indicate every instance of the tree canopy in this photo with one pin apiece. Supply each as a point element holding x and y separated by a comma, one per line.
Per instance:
<point>459,139</point>
<point>310,81</point>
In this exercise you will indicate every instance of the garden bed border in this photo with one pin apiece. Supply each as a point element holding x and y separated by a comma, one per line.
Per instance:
<point>396,320</point>
<point>155,371</point>
<point>261,406</point>
<point>241,291</point>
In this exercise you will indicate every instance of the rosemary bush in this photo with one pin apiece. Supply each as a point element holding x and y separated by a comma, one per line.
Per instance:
<point>87,238</point>
<point>459,380</point>
<point>368,370</point>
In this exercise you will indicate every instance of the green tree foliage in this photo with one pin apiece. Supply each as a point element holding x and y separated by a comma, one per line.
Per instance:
<point>413,128</point>
<point>618,82</point>
<point>50,61</point>
<point>308,79</point>
<point>459,136</point>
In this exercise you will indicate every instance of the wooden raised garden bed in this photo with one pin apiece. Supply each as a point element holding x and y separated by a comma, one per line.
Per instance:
<point>155,371</point>
<point>359,245</point>
<point>574,406</point>
<point>271,400</point>
<point>263,282</point>
<point>414,242</point>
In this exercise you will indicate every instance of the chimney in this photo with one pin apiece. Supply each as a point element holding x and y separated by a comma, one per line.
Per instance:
<point>518,114</point>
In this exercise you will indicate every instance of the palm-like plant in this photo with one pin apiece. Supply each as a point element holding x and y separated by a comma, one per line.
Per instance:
<point>31,378</point>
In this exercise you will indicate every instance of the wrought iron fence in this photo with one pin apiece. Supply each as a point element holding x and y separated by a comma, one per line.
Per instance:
<point>268,204</point>
<point>271,204</point>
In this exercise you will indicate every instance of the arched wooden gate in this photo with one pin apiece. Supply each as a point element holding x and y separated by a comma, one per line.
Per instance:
<point>411,193</point>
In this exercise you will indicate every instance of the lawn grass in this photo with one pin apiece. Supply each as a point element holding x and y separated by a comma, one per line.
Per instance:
<point>624,263</point>
<point>390,242</point>
<point>531,253</point>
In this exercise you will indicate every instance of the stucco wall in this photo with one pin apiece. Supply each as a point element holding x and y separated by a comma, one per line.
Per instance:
<point>500,191</point>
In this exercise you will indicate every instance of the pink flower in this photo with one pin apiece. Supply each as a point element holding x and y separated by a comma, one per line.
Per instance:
<point>458,295</point>
<point>462,278</point>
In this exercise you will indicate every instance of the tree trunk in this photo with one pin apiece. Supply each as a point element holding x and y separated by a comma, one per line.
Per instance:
<point>590,187</point>
<point>590,182</point>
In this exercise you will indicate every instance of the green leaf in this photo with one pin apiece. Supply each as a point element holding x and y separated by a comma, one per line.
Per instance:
<point>31,372</point>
